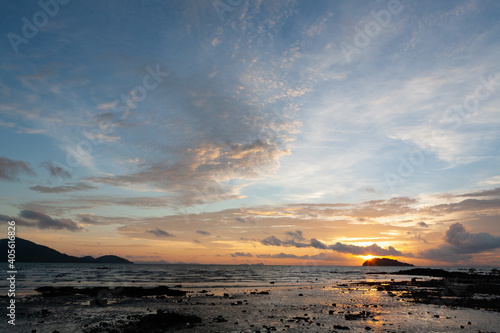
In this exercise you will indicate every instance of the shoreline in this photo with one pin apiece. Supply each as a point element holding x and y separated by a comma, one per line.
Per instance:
<point>377,306</point>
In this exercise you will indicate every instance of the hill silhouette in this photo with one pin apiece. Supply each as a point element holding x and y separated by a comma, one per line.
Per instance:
<point>27,251</point>
<point>384,262</point>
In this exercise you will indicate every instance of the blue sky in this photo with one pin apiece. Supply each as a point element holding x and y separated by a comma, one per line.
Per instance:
<point>348,121</point>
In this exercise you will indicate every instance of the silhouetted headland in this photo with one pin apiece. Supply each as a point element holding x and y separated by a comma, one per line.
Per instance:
<point>384,262</point>
<point>27,251</point>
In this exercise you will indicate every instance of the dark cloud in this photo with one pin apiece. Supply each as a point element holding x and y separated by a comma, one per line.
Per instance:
<point>485,193</point>
<point>297,235</point>
<point>10,169</point>
<point>274,241</point>
<point>202,232</point>
<point>461,244</point>
<point>31,218</point>
<point>240,254</point>
<point>63,189</point>
<point>468,205</point>
<point>19,221</point>
<point>423,224</point>
<point>373,249</point>
<point>160,233</point>
<point>55,170</point>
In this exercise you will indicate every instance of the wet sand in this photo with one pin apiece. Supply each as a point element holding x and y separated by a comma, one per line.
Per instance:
<point>412,305</point>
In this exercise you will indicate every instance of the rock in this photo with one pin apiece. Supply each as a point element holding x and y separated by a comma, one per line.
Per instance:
<point>339,327</point>
<point>219,319</point>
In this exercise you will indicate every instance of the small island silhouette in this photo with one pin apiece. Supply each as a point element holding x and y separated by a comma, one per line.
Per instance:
<point>27,251</point>
<point>384,262</point>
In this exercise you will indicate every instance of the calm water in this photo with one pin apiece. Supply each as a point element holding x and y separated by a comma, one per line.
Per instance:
<point>33,275</point>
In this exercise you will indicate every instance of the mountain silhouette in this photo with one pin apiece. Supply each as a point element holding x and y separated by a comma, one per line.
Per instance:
<point>27,251</point>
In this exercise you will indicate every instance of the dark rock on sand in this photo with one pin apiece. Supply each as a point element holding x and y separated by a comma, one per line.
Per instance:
<point>116,292</point>
<point>219,319</point>
<point>158,322</point>
<point>360,315</point>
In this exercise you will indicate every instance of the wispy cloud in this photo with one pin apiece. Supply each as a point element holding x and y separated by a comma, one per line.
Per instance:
<point>64,188</point>
<point>56,170</point>
<point>11,169</point>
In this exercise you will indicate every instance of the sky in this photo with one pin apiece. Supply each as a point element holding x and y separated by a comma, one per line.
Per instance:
<point>233,132</point>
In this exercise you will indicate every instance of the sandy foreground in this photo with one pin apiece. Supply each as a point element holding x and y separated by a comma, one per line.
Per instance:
<point>408,306</point>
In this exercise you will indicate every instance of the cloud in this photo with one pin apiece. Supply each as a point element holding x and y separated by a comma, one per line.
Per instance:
<point>468,205</point>
<point>277,256</point>
<point>213,133</point>
<point>6,124</point>
<point>55,170</point>
<point>88,218</point>
<point>245,219</point>
<point>297,235</point>
<point>241,254</point>
<point>373,249</point>
<point>419,238</point>
<point>24,130</point>
<point>46,222</point>
<point>10,169</point>
<point>423,224</point>
<point>485,193</point>
<point>320,256</point>
<point>63,189</point>
<point>31,218</point>
<point>461,244</point>
<point>202,232</point>
<point>160,233</point>
<point>106,106</point>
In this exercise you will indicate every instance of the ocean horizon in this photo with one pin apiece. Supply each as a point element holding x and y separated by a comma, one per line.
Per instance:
<point>199,276</point>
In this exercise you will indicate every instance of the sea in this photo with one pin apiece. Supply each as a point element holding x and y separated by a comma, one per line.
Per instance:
<point>30,276</point>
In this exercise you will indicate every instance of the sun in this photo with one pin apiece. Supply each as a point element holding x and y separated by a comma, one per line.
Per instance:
<point>367,257</point>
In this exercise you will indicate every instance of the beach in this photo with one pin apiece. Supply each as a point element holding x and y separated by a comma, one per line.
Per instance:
<point>405,304</point>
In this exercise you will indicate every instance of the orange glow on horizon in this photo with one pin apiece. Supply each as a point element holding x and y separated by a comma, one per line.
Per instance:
<point>367,257</point>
